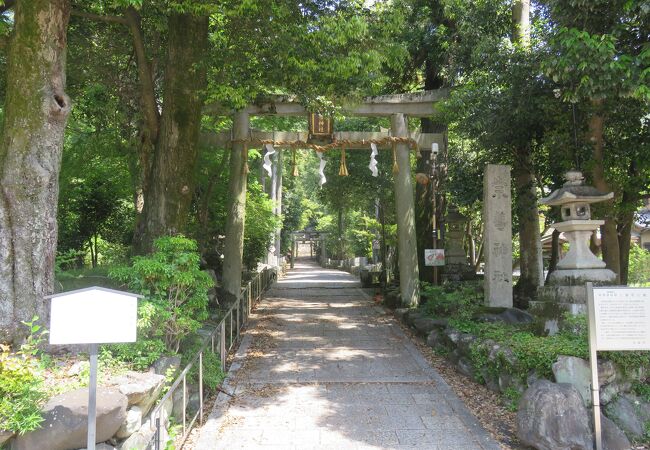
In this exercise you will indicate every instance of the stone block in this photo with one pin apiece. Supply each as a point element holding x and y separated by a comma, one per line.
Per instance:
<point>497,219</point>
<point>552,416</point>
<point>65,424</point>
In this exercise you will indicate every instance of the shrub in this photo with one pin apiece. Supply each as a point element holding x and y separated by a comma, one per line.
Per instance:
<point>175,290</point>
<point>21,392</point>
<point>451,300</point>
<point>212,373</point>
<point>639,270</point>
<point>139,355</point>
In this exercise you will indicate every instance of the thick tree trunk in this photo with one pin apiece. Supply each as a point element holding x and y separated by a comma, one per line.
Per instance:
<point>530,244</point>
<point>608,232</point>
<point>36,110</point>
<point>169,194</point>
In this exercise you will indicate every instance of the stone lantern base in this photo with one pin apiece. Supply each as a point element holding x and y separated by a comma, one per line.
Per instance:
<point>567,292</point>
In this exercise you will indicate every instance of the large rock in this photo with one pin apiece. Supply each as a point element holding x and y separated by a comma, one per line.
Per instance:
<point>553,417</point>
<point>65,424</point>
<point>142,389</point>
<point>512,316</point>
<point>424,325</point>
<point>131,424</point>
<point>613,437</point>
<point>628,412</point>
<point>167,364</point>
<point>576,372</point>
<point>5,436</point>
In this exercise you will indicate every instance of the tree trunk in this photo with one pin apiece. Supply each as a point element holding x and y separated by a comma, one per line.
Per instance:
<point>36,110</point>
<point>608,231</point>
<point>530,244</point>
<point>169,194</point>
<point>521,22</point>
<point>625,236</point>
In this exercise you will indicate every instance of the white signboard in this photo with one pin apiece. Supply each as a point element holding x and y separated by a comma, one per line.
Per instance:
<point>622,318</point>
<point>93,316</point>
<point>434,257</point>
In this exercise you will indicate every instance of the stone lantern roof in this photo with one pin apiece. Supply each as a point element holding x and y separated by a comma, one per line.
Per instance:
<point>574,190</point>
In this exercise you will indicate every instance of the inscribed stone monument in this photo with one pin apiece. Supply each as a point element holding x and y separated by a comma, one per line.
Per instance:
<point>497,220</point>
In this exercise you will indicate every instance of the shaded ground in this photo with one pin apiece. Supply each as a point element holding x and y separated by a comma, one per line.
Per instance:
<point>321,367</point>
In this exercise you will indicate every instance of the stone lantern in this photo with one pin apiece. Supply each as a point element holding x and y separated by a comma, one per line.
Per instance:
<point>457,267</point>
<point>566,290</point>
<point>579,265</point>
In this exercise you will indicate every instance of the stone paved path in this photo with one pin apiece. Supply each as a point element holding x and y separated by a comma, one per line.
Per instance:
<point>321,367</point>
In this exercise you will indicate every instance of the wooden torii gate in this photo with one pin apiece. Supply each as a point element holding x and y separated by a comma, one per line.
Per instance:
<point>397,107</point>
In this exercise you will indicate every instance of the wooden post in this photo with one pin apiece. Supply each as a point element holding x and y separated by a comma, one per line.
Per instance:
<point>234,246</point>
<point>406,239</point>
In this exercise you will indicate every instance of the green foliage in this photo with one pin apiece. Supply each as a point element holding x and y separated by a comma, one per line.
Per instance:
<point>213,376</point>
<point>174,287</point>
<point>140,355</point>
<point>260,225</point>
<point>642,390</point>
<point>459,302</point>
<point>21,383</point>
<point>639,274</point>
<point>512,397</point>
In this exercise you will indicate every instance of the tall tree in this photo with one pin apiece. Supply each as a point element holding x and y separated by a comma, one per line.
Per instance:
<point>530,244</point>
<point>599,58</point>
<point>36,109</point>
<point>171,182</point>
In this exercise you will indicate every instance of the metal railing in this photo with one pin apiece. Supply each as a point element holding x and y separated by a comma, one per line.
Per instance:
<point>220,341</point>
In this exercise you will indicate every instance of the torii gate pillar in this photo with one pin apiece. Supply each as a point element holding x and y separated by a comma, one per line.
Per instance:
<point>406,239</point>
<point>234,246</point>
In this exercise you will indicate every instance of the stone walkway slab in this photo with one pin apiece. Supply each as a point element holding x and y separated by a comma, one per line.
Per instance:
<point>321,367</point>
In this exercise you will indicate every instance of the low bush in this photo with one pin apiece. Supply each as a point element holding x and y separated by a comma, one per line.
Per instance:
<point>139,355</point>
<point>175,290</point>
<point>21,383</point>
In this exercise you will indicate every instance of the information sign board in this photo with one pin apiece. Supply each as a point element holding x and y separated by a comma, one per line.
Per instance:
<point>93,316</point>
<point>622,318</point>
<point>619,319</point>
<point>434,257</point>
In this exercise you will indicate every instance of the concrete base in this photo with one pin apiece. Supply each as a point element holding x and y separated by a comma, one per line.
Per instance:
<point>574,277</point>
<point>566,292</point>
<point>550,314</point>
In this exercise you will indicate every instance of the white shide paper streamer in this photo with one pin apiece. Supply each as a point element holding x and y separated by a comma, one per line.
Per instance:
<point>321,170</point>
<point>373,162</point>
<point>267,158</point>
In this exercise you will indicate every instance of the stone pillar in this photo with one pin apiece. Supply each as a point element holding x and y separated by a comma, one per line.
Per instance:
<point>405,205</point>
<point>275,193</point>
<point>323,250</point>
<point>497,222</point>
<point>234,245</point>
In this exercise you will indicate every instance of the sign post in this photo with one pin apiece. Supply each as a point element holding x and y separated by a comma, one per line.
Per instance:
<point>434,257</point>
<point>93,316</point>
<point>619,319</point>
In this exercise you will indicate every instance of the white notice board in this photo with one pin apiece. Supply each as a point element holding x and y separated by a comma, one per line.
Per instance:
<point>621,318</point>
<point>434,257</point>
<point>93,316</point>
